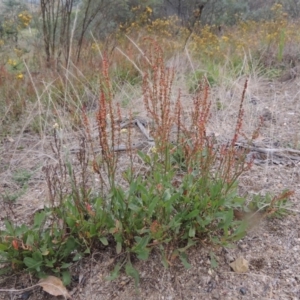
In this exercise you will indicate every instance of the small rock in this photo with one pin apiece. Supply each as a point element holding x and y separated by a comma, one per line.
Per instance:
<point>240,265</point>
<point>211,286</point>
<point>266,114</point>
<point>229,258</point>
<point>243,291</point>
<point>215,295</point>
<point>26,295</point>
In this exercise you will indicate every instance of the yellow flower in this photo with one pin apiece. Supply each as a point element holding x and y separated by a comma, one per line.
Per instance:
<point>20,76</point>
<point>11,62</point>
<point>153,150</point>
<point>225,38</point>
<point>149,9</point>
<point>94,46</point>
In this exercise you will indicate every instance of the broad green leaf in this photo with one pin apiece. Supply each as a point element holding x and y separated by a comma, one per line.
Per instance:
<point>213,261</point>
<point>140,248</point>
<point>39,219</point>
<point>176,222</point>
<point>70,221</point>
<point>131,271</point>
<point>66,277</point>
<point>49,263</point>
<point>192,231</point>
<point>240,231</point>
<point>133,207</point>
<point>115,273</point>
<point>146,158</point>
<point>37,256</point>
<point>69,247</point>
<point>228,218</point>
<point>167,195</point>
<point>104,240</point>
<point>3,247</point>
<point>163,257</point>
<point>193,214</point>
<point>204,221</point>
<point>189,244</point>
<point>30,240</point>
<point>3,271</point>
<point>119,247</point>
<point>32,263</point>
<point>152,205</point>
<point>142,242</point>
<point>184,261</point>
<point>21,230</point>
<point>77,257</point>
<point>65,265</point>
<point>143,254</point>
<point>87,251</point>
<point>9,227</point>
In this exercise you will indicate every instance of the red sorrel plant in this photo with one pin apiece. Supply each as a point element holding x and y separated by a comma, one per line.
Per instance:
<point>186,192</point>
<point>107,126</point>
<point>197,176</point>
<point>157,96</point>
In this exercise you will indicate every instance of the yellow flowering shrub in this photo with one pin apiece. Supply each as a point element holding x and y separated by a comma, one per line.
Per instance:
<point>12,62</point>
<point>19,76</point>
<point>24,19</point>
<point>207,43</point>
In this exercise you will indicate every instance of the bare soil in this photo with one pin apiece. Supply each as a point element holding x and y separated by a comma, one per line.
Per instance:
<point>272,245</point>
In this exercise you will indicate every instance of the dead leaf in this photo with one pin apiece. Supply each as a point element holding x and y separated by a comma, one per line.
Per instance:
<point>10,139</point>
<point>54,286</point>
<point>240,265</point>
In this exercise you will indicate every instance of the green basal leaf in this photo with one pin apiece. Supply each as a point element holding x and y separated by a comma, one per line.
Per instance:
<point>193,214</point>
<point>39,219</point>
<point>3,247</point>
<point>4,271</point>
<point>115,273</point>
<point>183,258</point>
<point>213,260</point>
<point>66,277</point>
<point>133,207</point>
<point>49,263</point>
<point>77,256</point>
<point>9,227</point>
<point>37,256</point>
<point>132,272</point>
<point>69,246</point>
<point>65,265</point>
<point>119,247</point>
<point>153,205</point>
<point>30,240</point>
<point>87,251</point>
<point>192,231</point>
<point>104,240</point>
<point>146,158</point>
<point>143,254</point>
<point>189,244</point>
<point>32,264</point>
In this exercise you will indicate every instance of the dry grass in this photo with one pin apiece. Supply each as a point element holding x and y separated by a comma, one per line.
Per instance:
<point>38,103</point>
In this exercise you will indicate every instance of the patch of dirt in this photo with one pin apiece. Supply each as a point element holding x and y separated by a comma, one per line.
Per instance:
<point>272,246</point>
